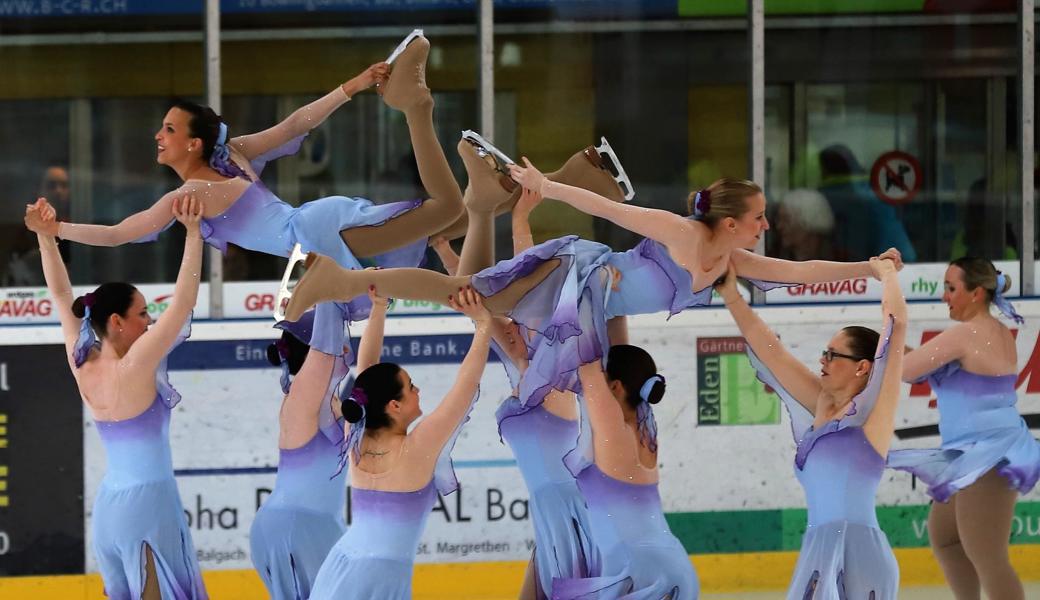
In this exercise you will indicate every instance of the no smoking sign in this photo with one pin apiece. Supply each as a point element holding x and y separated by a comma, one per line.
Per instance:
<point>896,177</point>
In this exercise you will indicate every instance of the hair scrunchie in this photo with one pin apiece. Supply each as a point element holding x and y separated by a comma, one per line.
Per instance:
<point>701,204</point>
<point>87,340</point>
<point>221,161</point>
<point>1003,304</point>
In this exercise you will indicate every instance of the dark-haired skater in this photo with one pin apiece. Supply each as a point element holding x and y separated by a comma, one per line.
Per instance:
<point>224,172</point>
<point>140,537</point>
<point>396,474</point>
<point>304,516</point>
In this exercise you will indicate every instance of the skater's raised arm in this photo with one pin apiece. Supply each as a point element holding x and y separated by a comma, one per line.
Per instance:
<point>38,217</point>
<point>371,347</point>
<point>437,428</point>
<point>881,422</point>
<point>306,118</point>
<point>794,376</point>
<point>155,343</point>
<point>522,238</point>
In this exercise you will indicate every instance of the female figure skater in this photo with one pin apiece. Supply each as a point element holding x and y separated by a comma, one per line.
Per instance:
<point>304,516</point>
<point>615,463</point>
<point>539,436</point>
<point>567,289</point>
<point>842,420</point>
<point>140,536</point>
<point>988,456</point>
<point>395,474</point>
<point>225,173</point>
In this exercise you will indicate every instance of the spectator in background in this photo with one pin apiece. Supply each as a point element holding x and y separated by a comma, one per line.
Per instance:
<point>23,263</point>
<point>978,236</point>
<point>803,225</point>
<point>864,225</point>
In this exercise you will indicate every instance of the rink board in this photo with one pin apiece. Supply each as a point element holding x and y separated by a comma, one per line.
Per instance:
<point>727,485</point>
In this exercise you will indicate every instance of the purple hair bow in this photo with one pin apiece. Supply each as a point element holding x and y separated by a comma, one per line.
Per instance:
<point>221,160</point>
<point>701,204</point>
<point>1003,304</point>
<point>87,340</point>
<point>352,443</point>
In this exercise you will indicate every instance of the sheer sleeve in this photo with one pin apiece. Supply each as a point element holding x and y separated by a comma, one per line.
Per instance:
<point>301,121</point>
<point>144,226</point>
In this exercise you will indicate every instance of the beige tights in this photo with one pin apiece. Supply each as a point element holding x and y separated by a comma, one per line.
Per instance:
<point>970,535</point>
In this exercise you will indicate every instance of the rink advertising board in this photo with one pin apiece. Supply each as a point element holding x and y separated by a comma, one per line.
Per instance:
<point>41,463</point>
<point>728,489</point>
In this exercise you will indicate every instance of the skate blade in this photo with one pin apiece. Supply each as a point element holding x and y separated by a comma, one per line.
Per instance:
<point>285,290</point>
<point>482,145</point>
<point>613,166</point>
<point>404,44</point>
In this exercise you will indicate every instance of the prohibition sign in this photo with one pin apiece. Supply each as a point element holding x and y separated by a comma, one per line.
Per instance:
<point>896,177</point>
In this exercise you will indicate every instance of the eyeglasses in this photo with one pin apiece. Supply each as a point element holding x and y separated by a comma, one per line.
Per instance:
<point>829,355</point>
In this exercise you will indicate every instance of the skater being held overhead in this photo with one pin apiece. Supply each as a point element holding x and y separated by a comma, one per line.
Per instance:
<point>224,172</point>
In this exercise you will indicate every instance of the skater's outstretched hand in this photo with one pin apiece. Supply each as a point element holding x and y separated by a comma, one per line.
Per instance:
<point>881,266</point>
<point>40,218</point>
<point>895,256</point>
<point>188,210</point>
<point>469,303</point>
<point>529,200</point>
<point>528,176</point>
<point>376,74</point>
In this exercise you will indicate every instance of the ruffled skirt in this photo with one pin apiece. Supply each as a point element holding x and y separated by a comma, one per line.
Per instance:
<point>1014,452</point>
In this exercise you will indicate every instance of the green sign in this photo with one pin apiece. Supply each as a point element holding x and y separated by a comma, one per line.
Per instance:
<point>728,391</point>
<point>782,529</point>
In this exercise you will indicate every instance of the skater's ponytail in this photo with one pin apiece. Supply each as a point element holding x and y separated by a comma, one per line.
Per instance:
<point>724,198</point>
<point>108,299</point>
<point>635,369</point>
<point>374,389</point>
<point>980,273</point>
<point>289,350</point>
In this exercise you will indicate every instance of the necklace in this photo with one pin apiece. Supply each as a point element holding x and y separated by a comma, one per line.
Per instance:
<point>376,454</point>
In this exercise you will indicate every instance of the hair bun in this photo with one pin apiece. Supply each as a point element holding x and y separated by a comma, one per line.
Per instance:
<point>352,411</point>
<point>1007,283</point>
<point>272,355</point>
<point>653,389</point>
<point>79,308</point>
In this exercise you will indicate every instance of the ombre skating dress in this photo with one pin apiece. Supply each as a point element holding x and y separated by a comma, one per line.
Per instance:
<point>138,505</point>
<point>636,555</point>
<point>376,556</point>
<point>305,515</point>
<point>980,429</point>
<point>539,441</point>
<point>260,221</point>
<point>844,554</point>
<point>571,306</point>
